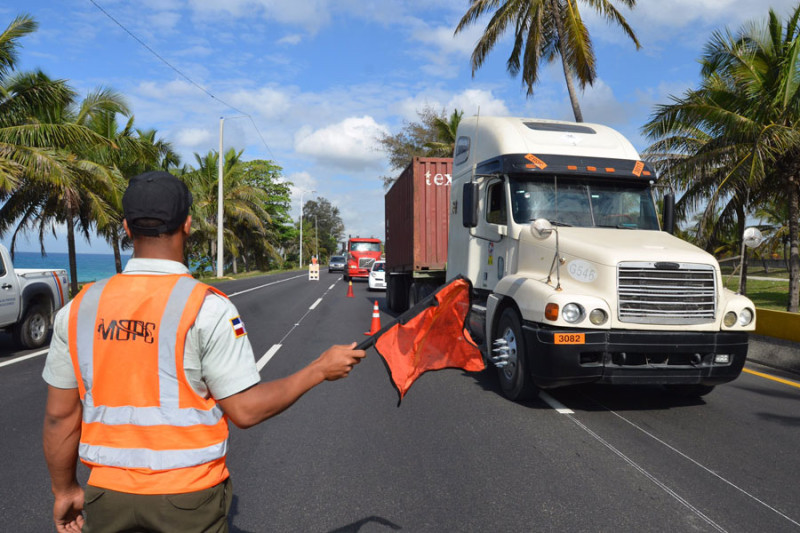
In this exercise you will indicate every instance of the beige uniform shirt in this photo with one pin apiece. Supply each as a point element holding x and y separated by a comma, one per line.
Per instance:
<point>217,363</point>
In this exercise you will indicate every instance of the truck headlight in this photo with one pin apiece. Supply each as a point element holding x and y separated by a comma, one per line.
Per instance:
<point>745,317</point>
<point>730,319</point>
<point>598,317</point>
<point>572,313</point>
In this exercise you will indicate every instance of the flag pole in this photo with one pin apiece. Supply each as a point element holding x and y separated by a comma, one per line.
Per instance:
<point>405,317</point>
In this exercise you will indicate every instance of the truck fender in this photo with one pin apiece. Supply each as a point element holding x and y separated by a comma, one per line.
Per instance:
<point>36,293</point>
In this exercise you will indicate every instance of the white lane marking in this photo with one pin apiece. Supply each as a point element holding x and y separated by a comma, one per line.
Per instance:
<point>729,483</point>
<point>24,357</point>
<point>555,404</point>
<point>267,356</point>
<point>275,347</point>
<point>649,476</point>
<point>562,409</point>
<point>265,285</point>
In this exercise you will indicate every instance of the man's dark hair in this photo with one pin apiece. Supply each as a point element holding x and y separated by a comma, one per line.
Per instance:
<point>150,223</point>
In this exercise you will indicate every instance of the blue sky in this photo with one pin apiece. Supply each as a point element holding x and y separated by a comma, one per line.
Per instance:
<point>321,79</point>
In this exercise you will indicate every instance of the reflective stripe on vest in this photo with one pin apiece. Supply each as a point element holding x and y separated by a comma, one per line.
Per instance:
<point>205,429</point>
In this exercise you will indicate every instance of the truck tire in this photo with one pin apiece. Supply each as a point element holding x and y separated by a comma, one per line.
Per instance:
<point>34,328</point>
<point>689,391</point>
<point>515,380</point>
<point>399,297</point>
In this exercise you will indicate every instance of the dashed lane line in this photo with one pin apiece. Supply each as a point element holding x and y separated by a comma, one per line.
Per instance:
<point>24,357</point>
<point>560,408</point>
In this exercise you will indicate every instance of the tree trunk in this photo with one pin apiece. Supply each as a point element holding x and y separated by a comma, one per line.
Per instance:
<point>73,262</point>
<point>794,256</point>
<point>117,255</point>
<point>573,98</point>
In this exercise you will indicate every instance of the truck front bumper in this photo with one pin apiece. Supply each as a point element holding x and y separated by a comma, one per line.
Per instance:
<point>635,357</point>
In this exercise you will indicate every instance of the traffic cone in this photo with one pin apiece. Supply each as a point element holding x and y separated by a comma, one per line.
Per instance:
<point>376,320</point>
<point>350,290</point>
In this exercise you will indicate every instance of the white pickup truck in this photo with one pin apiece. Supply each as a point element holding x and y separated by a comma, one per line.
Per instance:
<point>29,299</point>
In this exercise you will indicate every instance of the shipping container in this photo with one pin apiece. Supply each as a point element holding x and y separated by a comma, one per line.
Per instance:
<point>417,217</point>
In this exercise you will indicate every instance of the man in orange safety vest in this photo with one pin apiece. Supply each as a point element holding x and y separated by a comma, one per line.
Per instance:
<point>143,371</point>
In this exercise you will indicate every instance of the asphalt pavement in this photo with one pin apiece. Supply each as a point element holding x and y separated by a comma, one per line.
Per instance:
<point>456,455</point>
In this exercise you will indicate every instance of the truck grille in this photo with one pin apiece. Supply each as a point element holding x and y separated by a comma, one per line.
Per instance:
<point>365,262</point>
<point>666,293</point>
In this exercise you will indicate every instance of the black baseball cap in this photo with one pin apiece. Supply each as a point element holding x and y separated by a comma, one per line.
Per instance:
<point>156,195</point>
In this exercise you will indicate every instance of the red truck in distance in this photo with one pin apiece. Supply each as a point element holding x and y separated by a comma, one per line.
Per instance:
<point>361,254</point>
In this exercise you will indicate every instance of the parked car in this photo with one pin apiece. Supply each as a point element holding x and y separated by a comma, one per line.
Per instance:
<point>377,276</point>
<point>29,297</point>
<point>337,263</point>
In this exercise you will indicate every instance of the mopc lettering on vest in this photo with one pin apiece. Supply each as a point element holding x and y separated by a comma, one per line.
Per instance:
<point>126,330</point>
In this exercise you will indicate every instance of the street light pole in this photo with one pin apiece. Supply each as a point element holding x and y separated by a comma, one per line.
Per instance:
<point>220,258</point>
<point>220,211</point>
<point>301,224</point>
<point>316,238</point>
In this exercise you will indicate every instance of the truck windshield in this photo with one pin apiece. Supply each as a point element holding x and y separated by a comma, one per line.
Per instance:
<point>583,203</point>
<point>365,247</point>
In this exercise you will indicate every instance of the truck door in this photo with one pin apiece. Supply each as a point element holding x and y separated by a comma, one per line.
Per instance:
<point>9,293</point>
<point>493,228</point>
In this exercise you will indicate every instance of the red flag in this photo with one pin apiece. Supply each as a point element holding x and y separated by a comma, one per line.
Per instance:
<point>432,339</point>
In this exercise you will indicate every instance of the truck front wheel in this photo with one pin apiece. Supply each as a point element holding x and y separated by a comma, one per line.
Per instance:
<point>514,377</point>
<point>33,330</point>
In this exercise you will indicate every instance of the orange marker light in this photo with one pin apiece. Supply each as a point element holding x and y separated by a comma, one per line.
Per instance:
<point>551,312</point>
<point>572,167</point>
<point>591,169</point>
<point>609,169</point>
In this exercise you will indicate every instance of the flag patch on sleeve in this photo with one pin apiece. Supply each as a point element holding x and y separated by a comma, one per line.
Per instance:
<point>238,327</point>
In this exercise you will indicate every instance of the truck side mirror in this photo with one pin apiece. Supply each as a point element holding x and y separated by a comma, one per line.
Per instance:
<point>469,215</point>
<point>669,213</point>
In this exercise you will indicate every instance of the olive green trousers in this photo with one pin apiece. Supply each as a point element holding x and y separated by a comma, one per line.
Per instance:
<point>206,511</point>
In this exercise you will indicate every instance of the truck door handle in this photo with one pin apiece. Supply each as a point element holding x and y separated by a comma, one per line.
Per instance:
<point>6,286</point>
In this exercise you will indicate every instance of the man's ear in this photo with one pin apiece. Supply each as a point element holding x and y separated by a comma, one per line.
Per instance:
<point>187,226</point>
<point>127,229</point>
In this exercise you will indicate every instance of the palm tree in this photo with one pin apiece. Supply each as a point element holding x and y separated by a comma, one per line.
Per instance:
<point>74,190</point>
<point>544,30</point>
<point>244,208</point>
<point>445,142</point>
<point>25,139</point>
<point>738,135</point>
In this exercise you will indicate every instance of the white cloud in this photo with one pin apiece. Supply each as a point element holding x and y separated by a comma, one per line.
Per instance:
<point>292,39</point>
<point>471,100</point>
<point>194,138</point>
<point>308,14</point>
<point>349,144</point>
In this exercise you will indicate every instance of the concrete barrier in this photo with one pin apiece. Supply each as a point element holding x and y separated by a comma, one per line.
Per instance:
<point>778,324</point>
<point>776,341</point>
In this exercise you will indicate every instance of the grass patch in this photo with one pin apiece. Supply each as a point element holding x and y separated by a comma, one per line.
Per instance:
<point>765,294</point>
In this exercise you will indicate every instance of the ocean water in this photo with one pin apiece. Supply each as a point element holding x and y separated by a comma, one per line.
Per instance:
<point>91,267</point>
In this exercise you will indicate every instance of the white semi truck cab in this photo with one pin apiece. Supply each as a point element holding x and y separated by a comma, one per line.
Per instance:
<point>555,224</point>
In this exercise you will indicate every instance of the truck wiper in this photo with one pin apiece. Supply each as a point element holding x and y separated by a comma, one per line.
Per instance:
<point>558,223</point>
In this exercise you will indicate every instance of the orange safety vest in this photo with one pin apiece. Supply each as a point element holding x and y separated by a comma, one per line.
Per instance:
<point>144,429</point>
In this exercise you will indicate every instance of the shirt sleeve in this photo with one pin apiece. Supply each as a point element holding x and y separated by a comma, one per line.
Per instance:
<point>226,356</point>
<point>58,370</point>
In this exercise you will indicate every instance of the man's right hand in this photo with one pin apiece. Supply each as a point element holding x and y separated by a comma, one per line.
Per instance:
<point>67,510</point>
<point>337,361</point>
